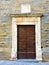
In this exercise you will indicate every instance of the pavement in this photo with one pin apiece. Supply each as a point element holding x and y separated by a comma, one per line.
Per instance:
<point>22,62</point>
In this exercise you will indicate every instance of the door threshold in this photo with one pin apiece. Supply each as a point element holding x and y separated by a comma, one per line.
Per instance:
<point>27,60</point>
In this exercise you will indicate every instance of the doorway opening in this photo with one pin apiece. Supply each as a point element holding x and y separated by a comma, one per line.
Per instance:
<point>26,42</point>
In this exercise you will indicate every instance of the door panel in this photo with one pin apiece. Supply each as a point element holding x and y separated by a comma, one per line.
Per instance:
<point>22,55</point>
<point>31,55</point>
<point>26,42</point>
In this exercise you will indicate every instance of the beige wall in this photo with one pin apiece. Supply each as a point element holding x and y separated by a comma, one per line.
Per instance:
<point>8,7</point>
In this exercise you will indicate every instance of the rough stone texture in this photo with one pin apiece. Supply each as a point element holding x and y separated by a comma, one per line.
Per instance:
<point>8,7</point>
<point>5,40</point>
<point>45,37</point>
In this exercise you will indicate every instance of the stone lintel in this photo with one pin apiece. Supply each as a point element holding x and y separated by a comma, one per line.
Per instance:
<point>26,15</point>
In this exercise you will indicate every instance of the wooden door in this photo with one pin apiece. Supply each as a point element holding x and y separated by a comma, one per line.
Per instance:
<point>26,42</point>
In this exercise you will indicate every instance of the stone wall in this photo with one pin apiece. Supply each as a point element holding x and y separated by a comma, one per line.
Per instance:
<point>8,7</point>
<point>45,37</point>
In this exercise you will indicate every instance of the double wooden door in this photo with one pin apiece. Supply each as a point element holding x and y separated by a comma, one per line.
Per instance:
<point>26,42</point>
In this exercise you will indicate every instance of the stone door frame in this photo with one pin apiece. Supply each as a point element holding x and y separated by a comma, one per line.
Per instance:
<point>34,21</point>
